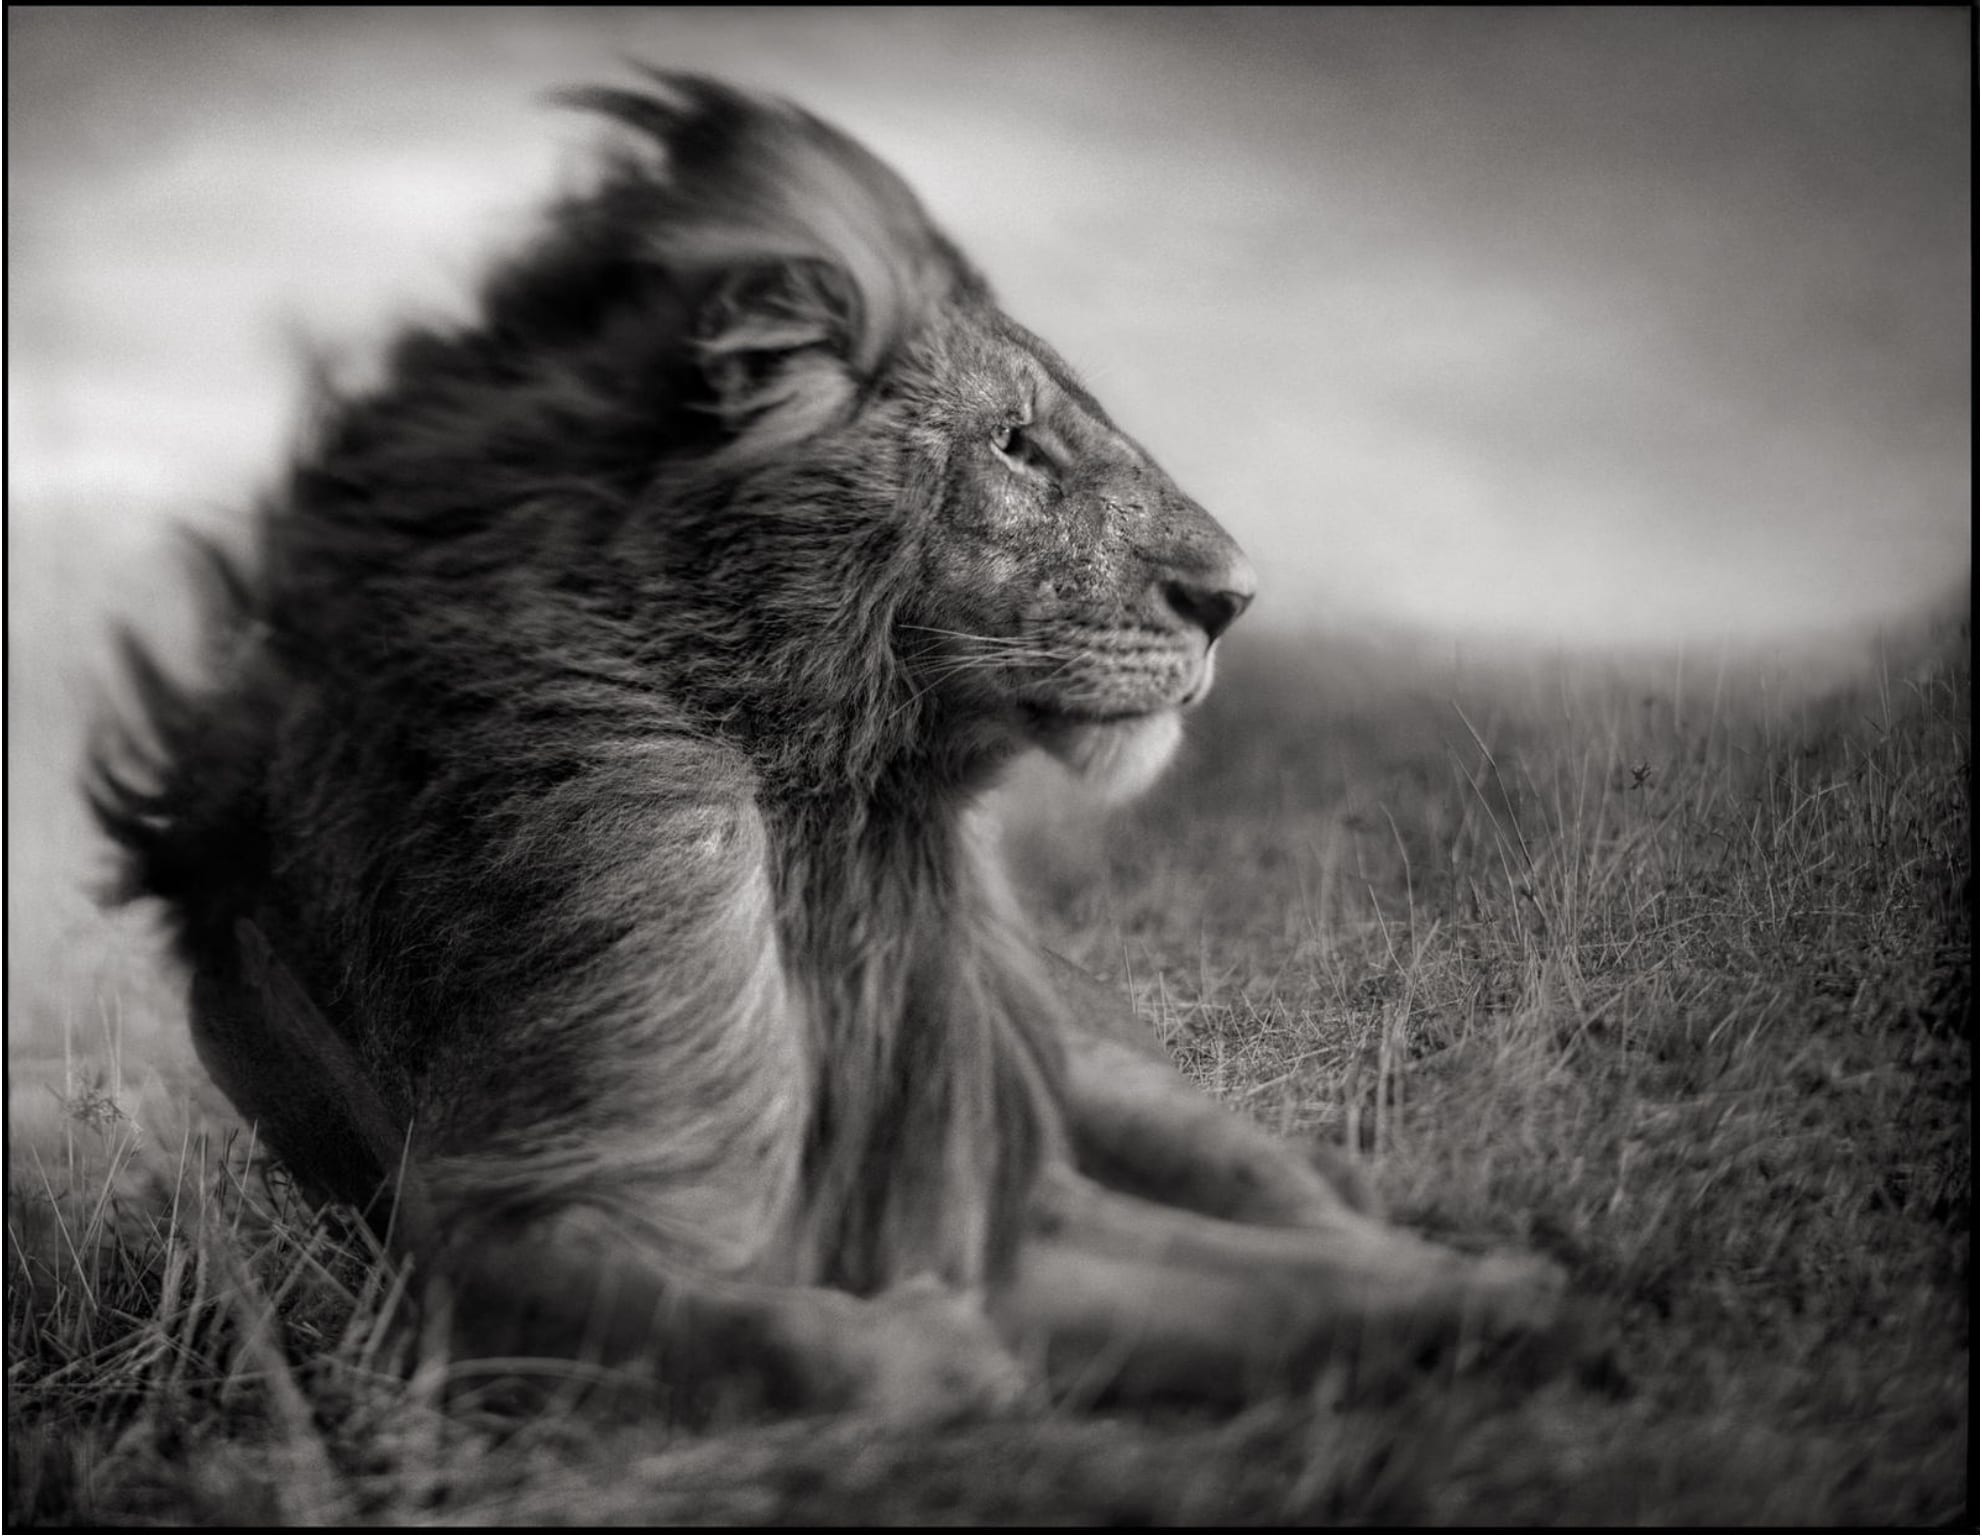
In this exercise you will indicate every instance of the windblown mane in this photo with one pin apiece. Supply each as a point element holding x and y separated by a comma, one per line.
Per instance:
<point>567,574</point>
<point>744,189</point>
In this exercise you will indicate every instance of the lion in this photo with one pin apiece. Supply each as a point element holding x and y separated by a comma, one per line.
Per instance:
<point>576,837</point>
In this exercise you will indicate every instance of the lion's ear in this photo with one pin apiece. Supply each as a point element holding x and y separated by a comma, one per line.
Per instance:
<point>779,340</point>
<point>809,247</point>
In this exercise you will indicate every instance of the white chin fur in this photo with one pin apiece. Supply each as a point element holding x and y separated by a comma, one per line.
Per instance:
<point>1120,760</point>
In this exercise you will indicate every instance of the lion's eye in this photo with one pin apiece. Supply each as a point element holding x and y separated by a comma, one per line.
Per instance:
<point>1015,446</point>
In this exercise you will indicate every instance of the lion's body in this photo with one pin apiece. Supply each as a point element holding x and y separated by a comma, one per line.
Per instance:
<point>580,817</point>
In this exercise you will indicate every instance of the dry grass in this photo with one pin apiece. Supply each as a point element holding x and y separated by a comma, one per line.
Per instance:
<point>1668,972</point>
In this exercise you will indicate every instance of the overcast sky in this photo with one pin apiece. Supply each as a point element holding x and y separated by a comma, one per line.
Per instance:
<point>1614,324</point>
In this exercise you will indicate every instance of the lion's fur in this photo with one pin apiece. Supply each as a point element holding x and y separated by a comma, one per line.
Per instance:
<point>472,757</point>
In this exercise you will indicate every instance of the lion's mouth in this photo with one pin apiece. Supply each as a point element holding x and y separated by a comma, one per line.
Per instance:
<point>1050,707</point>
<point>1059,714</point>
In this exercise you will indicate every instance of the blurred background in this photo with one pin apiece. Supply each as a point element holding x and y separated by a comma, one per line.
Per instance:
<point>1569,328</point>
<point>1632,325</point>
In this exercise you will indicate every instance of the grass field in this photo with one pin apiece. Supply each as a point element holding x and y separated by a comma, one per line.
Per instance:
<point>1664,966</point>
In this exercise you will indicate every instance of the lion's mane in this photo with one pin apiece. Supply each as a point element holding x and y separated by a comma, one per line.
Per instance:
<point>553,735</point>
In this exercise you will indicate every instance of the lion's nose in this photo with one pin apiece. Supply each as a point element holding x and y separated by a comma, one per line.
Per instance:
<point>1213,603</point>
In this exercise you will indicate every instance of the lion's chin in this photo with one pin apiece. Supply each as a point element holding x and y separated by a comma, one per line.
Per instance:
<point>1116,759</point>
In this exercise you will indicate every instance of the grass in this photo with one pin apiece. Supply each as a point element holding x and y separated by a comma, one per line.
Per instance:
<point>1666,968</point>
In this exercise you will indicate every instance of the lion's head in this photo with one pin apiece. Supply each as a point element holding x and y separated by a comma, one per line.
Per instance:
<point>1017,571</point>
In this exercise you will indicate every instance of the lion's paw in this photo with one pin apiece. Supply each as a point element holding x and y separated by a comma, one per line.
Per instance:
<point>931,1354</point>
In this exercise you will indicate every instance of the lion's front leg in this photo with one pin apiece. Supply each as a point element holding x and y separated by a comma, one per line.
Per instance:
<point>1140,1127</point>
<point>1125,1298</point>
<point>917,1353</point>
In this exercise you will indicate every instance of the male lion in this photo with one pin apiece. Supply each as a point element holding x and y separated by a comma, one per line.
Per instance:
<point>576,842</point>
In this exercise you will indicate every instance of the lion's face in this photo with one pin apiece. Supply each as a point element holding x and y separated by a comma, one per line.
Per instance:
<point>1041,580</point>
<point>1071,592</point>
